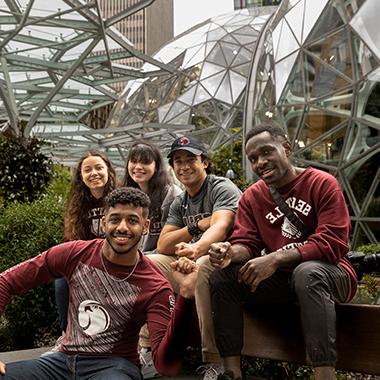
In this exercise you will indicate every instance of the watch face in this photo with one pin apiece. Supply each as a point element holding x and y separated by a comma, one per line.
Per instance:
<point>193,230</point>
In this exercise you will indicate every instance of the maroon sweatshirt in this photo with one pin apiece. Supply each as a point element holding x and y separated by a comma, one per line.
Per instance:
<point>316,197</point>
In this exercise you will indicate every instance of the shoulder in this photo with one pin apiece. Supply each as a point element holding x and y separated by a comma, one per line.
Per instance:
<point>216,183</point>
<point>320,178</point>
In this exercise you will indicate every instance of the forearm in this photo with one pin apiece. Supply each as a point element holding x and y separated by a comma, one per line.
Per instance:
<point>289,258</point>
<point>239,254</point>
<point>168,240</point>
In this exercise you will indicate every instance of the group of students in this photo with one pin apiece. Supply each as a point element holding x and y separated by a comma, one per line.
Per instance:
<point>209,242</point>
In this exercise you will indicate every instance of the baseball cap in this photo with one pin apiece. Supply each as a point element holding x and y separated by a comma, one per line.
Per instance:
<point>190,144</point>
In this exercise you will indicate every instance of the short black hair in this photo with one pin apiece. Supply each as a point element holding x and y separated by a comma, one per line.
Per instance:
<point>128,196</point>
<point>271,127</point>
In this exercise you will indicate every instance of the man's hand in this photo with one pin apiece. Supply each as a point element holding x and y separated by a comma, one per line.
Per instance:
<point>220,254</point>
<point>2,368</point>
<point>185,272</point>
<point>258,269</point>
<point>187,250</point>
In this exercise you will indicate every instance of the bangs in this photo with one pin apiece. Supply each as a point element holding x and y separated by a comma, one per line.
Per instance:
<point>141,153</point>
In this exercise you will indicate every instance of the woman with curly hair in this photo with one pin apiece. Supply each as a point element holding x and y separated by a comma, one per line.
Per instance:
<point>94,178</point>
<point>147,171</point>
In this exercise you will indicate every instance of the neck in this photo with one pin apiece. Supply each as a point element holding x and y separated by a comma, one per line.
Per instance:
<point>193,189</point>
<point>292,173</point>
<point>97,193</point>
<point>126,259</point>
<point>144,186</point>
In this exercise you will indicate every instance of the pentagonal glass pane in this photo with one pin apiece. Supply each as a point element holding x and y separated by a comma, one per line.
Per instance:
<point>335,51</point>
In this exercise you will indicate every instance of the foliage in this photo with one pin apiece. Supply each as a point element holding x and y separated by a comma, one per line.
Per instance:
<point>220,163</point>
<point>27,229</point>
<point>24,171</point>
<point>369,288</point>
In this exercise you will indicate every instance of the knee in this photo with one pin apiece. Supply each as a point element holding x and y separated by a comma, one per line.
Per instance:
<point>307,277</point>
<point>219,279</point>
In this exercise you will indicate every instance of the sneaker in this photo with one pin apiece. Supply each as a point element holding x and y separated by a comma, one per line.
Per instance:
<point>148,370</point>
<point>56,347</point>
<point>210,371</point>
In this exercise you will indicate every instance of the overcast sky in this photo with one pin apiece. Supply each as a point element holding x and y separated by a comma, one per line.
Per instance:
<point>188,13</point>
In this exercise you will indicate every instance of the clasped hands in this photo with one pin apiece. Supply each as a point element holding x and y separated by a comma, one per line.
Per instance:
<point>252,272</point>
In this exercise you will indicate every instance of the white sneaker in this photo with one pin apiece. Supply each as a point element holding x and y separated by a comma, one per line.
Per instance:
<point>56,347</point>
<point>209,371</point>
<point>148,369</point>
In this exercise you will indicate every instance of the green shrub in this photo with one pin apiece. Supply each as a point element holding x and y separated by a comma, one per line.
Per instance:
<point>27,229</point>
<point>24,171</point>
<point>220,163</point>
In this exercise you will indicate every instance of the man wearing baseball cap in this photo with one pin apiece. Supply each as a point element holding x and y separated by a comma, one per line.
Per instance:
<point>203,214</point>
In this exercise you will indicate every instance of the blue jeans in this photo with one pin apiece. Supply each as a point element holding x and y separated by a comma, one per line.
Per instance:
<point>60,366</point>
<point>62,301</point>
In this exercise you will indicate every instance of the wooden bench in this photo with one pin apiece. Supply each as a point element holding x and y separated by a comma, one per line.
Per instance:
<point>275,333</point>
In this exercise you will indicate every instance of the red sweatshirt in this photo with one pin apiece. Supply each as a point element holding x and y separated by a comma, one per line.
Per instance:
<point>106,312</point>
<point>315,196</point>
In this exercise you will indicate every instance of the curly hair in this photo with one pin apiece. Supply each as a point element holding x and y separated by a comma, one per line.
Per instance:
<point>128,196</point>
<point>146,152</point>
<point>81,200</point>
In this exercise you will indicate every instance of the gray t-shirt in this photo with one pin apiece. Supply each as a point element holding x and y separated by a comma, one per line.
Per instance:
<point>217,193</point>
<point>157,221</point>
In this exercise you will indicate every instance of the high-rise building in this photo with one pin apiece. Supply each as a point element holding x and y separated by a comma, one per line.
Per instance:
<point>148,29</point>
<point>240,4</point>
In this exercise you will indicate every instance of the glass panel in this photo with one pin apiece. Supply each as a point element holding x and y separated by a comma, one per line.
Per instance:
<point>327,23</point>
<point>372,107</point>
<point>339,102</point>
<point>292,117</point>
<point>246,39</point>
<point>313,11</point>
<point>163,110</point>
<point>294,19</point>
<point>201,95</point>
<point>176,109</point>
<point>294,90</point>
<point>365,60</point>
<point>216,34</point>
<point>224,92</point>
<point>212,83</point>
<point>188,96</point>
<point>335,51</point>
<point>183,118</point>
<point>217,56</point>
<point>197,57</point>
<point>366,24</point>
<point>328,150</point>
<point>238,83</point>
<point>242,56</point>
<point>284,42</point>
<point>230,51</point>
<point>209,69</point>
<point>242,69</point>
<point>283,70</point>
<point>208,110</point>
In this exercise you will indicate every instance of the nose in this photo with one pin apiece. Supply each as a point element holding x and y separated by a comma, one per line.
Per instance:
<point>261,161</point>
<point>122,226</point>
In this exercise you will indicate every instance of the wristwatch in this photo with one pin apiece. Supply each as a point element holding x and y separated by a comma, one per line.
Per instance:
<point>193,229</point>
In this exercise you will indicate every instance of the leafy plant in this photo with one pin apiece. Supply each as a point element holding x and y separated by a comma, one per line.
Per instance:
<point>27,229</point>
<point>24,171</point>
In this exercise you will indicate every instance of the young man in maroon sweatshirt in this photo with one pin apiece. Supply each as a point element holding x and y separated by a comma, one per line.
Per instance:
<point>114,290</point>
<point>272,263</point>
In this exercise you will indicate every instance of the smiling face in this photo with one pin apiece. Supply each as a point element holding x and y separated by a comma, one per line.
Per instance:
<point>94,173</point>
<point>269,157</point>
<point>189,169</point>
<point>124,225</point>
<point>141,171</point>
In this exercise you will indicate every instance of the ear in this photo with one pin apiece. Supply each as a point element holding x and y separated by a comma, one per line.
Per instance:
<point>146,226</point>
<point>103,221</point>
<point>288,148</point>
<point>205,163</point>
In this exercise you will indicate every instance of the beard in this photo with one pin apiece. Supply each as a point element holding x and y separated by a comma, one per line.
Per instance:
<point>124,251</point>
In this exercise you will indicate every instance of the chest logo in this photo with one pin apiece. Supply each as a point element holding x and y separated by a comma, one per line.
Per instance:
<point>93,318</point>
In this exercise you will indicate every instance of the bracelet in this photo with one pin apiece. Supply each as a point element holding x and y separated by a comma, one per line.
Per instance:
<point>193,229</point>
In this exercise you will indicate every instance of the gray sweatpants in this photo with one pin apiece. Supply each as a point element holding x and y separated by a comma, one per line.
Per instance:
<point>314,285</point>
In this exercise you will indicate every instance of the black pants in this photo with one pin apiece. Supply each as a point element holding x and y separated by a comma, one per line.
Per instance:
<point>314,285</point>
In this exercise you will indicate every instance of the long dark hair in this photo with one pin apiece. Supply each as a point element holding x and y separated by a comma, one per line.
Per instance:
<point>81,200</point>
<point>146,152</point>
